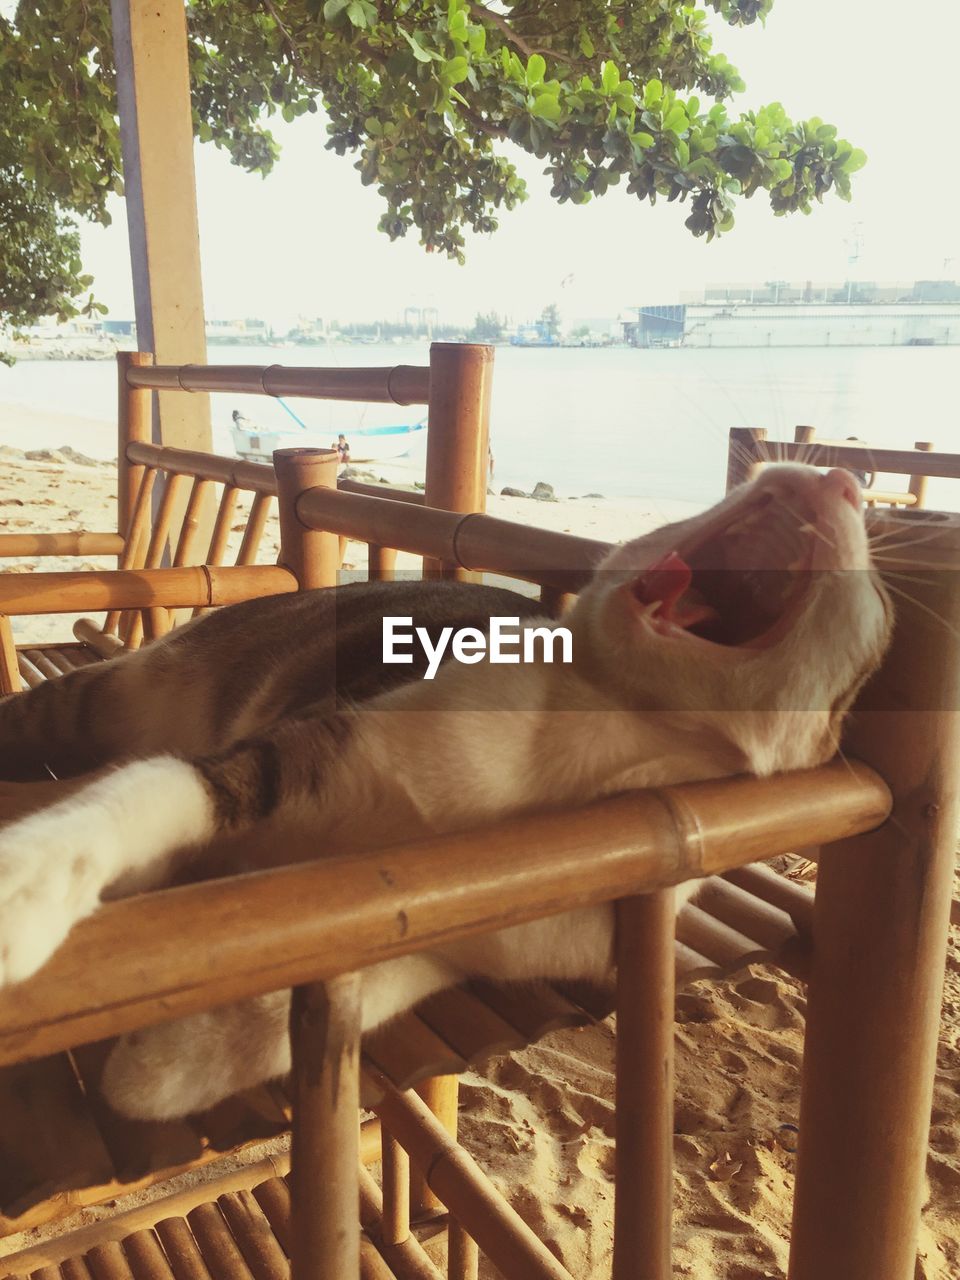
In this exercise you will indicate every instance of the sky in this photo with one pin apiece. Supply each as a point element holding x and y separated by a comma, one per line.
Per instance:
<point>303,242</point>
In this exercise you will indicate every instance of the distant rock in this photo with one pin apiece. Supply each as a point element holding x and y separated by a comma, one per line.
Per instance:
<point>73,455</point>
<point>46,455</point>
<point>8,451</point>
<point>593,495</point>
<point>543,492</point>
<point>507,492</point>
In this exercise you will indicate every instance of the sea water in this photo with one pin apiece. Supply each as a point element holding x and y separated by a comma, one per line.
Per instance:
<point>620,422</point>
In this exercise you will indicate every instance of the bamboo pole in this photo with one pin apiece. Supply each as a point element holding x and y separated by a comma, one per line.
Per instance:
<point>10,681</point>
<point>137,536</point>
<point>442,1095</point>
<point>134,425</point>
<point>257,476</point>
<point>477,542</point>
<point>407,1260</point>
<point>397,384</point>
<point>396,1191</point>
<point>253,533</point>
<point>79,543</point>
<point>98,590</point>
<point>317,919</point>
<point>457,1180</point>
<point>880,932</point>
<point>311,555</point>
<point>191,527</point>
<point>463,1256</point>
<point>644,1087</point>
<point>325,1150</point>
<point>458,437</point>
<point>381,563</point>
<point>745,452</point>
<point>918,483</point>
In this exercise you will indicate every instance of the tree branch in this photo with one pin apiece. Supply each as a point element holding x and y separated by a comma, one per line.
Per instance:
<point>482,14</point>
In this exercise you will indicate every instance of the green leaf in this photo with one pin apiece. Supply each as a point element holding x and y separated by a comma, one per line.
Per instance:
<point>333,8</point>
<point>609,77</point>
<point>536,67</point>
<point>587,47</point>
<point>652,92</point>
<point>856,160</point>
<point>676,120</point>
<point>547,107</point>
<point>456,69</point>
<point>642,140</point>
<point>416,48</point>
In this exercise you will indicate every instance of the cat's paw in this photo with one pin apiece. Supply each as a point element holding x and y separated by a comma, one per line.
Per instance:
<point>44,890</point>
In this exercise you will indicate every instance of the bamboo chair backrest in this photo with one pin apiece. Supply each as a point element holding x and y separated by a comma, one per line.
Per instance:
<point>751,447</point>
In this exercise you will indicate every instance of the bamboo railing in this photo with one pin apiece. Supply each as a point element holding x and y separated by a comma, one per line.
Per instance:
<point>752,447</point>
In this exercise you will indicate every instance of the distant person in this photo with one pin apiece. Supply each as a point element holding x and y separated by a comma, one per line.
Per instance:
<point>342,448</point>
<point>245,424</point>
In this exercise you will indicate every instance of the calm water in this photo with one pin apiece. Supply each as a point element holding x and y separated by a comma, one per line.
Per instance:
<point>618,422</point>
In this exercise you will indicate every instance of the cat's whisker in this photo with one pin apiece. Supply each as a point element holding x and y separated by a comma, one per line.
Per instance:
<point>924,608</point>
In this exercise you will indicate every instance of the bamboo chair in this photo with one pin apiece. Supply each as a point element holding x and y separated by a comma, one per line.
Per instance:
<point>558,849</point>
<point>751,447</point>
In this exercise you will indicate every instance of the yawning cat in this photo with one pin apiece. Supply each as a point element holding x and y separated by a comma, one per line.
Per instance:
<point>728,643</point>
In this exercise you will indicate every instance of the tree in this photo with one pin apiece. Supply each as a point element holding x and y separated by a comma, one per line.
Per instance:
<point>549,321</point>
<point>424,93</point>
<point>487,328</point>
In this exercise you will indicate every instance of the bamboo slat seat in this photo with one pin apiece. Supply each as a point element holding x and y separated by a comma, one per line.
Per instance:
<point>61,1147</point>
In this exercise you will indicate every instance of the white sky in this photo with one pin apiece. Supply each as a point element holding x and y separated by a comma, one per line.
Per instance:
<point>304,241</point>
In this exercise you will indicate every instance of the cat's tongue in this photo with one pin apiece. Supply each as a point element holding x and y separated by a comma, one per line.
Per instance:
<point>668,584</point>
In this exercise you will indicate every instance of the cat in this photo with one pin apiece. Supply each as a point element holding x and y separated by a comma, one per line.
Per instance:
<point>732,642</point>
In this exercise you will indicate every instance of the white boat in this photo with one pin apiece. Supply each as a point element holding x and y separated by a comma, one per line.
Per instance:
<point>367,444</point>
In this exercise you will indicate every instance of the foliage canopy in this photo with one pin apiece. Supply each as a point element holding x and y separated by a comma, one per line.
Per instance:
<point>424,93</point>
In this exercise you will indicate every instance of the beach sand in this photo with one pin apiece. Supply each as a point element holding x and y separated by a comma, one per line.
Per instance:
<point>541,1121</point>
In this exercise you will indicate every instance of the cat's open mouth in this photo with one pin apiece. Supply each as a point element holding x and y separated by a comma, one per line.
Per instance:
<point>738,585</point>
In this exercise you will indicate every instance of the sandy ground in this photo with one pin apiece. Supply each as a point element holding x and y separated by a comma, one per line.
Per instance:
<point>541,1121</point>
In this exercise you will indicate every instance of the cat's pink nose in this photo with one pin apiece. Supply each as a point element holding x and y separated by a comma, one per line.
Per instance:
<point>845,485</point>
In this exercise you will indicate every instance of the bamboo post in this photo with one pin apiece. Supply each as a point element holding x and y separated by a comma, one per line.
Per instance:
<point>134,423</point>
<point>325,1150</point>
<point>396,1191</point>
<point>918,484</point>
<point>463,1256</point>
<point>880,934</point>
<point>9,667</point>
<point>744,454</point>
<point>310,554</point>
<point>644,1088</point>
<point>256,523</point>
<point>381,563</point>
<point>442,1096</point>
<point>458,439</point>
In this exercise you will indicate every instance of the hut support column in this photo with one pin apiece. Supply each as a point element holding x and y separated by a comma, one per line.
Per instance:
<point>644,1093</point>
<point>880,935</point>
<point>156,136</point>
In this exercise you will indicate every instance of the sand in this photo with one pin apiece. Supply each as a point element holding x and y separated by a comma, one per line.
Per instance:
<point>541,1121</point>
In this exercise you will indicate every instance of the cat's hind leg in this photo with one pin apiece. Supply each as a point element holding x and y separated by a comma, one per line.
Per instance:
<point>176,1068</point>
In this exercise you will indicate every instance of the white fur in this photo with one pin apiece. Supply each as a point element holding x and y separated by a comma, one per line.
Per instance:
<point>123,830</point>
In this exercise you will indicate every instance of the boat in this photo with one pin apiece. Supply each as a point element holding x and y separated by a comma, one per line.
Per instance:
<point>367,444</point>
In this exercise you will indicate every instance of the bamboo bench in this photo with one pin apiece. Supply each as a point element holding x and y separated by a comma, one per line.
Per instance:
<point>629,852</point>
